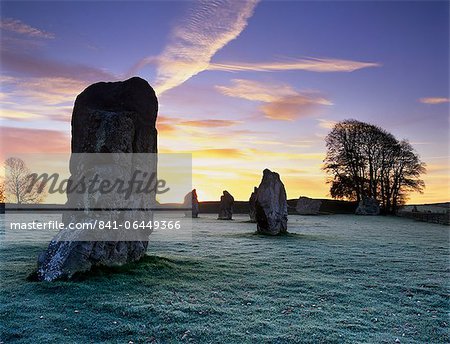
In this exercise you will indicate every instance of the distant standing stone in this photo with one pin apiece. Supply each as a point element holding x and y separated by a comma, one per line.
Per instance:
<point>226,206</point>
<point>271,205</point>
<point>308,206</point>
<point>191,201</point>
<point>368,206</point>
<point>252,205</point>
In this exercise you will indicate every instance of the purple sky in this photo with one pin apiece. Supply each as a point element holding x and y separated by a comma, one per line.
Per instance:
<point>243,85</point>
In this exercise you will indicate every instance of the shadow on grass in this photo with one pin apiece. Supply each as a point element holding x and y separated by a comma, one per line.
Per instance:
<point>154,264</point>
<point>286,236</point>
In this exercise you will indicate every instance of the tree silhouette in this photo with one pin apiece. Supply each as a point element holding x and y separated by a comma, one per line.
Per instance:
<point>365,160</point>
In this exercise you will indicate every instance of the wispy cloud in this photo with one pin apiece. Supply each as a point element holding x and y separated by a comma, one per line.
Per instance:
<point>309,64</point>
<point>326,123</point>
<point>197,122</point>
<point>42,87</point>
<point>35,65</point>
<point>434,100</point>
<point>175,125</point>
<point>44,90</point>
<point>281,101</point>
<point>43,98</point>
<point>256,91</point>
<point>208,27</point>
<point>35,86</point>
<point>19,27</point>
<point>18,115</point>
<point>210,123</point>
<point>288,143</point>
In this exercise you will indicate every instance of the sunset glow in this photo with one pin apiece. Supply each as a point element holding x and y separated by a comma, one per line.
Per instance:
<point>243,86</point>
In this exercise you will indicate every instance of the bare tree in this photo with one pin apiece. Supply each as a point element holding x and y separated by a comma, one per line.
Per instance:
<point>18,187</point>
<point>366,161</point>
<point>2,191</point>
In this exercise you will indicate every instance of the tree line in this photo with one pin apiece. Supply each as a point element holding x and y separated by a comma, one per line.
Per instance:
<point>365,161</point>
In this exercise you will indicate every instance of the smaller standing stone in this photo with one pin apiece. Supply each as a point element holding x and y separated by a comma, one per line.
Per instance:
<point>252,205</point>
<point>226,206</point>
<point>308,206</point>
<point>368,206</point>
<point>271,205</point>
<point>191,201</point>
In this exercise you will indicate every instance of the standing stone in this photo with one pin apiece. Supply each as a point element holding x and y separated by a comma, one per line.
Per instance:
<point>108,117</point>
<point>226,206</point>
<point>308,206</point>
<point>271,205</point>
<point>191,201</point>
<point>368,206</point>
<point>252,205</point>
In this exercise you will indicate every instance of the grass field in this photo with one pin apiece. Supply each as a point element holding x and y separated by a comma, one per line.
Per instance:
<point>337,278</point>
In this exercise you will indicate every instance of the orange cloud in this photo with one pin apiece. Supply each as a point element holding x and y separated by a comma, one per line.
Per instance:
<point>292,107</point>
<point>165,128</point>
<point>228,153</point>
<point>288,156</point>
<point>25,140</point>
<point>282,101</point>
<point>170,125</point>
<point>434,100</point>
<point>252,154</point>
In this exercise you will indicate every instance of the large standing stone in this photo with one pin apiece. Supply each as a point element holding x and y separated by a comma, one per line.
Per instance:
<point>191,201</point>
<point>226,206</point>
<point>113,117</point>
<point>252,205</point>
<point>271,205</point>
<point>308,206</point>
<point>368,206</point>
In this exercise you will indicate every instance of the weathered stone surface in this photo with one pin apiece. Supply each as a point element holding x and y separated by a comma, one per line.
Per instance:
<point>226,206</point>
<point>271,205</point>
<point>368,206</point>
<point>191,200</point>
<point>107,106</point>
<point>308,206</point>
<point>252,205</point>
<point>113,117</point>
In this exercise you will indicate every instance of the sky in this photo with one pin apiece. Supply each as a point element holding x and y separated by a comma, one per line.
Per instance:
<point>242,85</point>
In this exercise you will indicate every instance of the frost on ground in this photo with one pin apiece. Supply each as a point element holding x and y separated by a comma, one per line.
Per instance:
<point>335,278</point>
